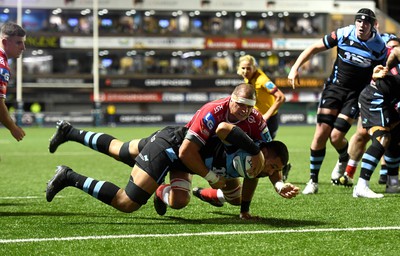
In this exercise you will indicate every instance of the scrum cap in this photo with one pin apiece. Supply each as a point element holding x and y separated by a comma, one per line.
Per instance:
<point>367,15</point>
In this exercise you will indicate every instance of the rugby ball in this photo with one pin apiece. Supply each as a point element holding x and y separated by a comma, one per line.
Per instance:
<point>241,163</point>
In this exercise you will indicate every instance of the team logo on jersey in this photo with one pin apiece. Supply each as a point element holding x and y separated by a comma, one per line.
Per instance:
<point>2,62</point>
<point>269,85</point>
<point>356,59</point>
<point>209,121</point>
<point>4,74</point>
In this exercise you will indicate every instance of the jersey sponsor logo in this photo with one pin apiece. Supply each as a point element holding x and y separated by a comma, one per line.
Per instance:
<point>209,121</point>
<point>358,60</point>
<point>4,74</point>
<point>251,119</point>
<point>218,108</point>
<point>269,85</point>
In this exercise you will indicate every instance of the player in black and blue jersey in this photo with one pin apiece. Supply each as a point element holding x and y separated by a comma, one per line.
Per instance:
<point>359,49</point>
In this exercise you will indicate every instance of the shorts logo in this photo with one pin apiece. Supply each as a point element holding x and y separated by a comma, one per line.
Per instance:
<point>144,157</point>
<point>209,121</point>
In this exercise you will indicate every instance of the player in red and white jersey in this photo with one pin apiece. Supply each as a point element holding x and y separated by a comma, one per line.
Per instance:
<point>236,109</point>
<point>11,46</point>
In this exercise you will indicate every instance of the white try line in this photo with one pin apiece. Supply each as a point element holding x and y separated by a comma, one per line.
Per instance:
<point>79,238</point>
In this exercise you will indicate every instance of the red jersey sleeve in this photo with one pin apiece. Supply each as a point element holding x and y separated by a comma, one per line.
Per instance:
<point>4,74</point>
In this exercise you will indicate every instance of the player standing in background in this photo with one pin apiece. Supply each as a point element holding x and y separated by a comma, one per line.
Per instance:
<point>381,119</point>
<point>268,96</point>
<point>359,49</point>
<point>360,138</point>
<point>11,46</point>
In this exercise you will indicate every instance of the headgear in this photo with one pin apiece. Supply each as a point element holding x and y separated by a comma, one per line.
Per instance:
<point>367,15</point>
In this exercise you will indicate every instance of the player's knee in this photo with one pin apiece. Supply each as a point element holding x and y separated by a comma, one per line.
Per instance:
<point>180,193</point>
<point>135,197</point>
<point>181,201</point>
<point>342,125</point>
<point>327,119</point>
<point>125,155</point>
<point>123,203</point>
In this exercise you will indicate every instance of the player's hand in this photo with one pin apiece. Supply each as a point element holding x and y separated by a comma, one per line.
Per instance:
<point>257,165</point>
<point>289,191</point>
<point>221,183</point>
<point>248,216</point>
<point>293,78</point>
<point>379,72</point>
<point>18,133</point>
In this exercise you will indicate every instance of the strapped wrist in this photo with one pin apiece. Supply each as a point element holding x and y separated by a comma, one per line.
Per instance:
<point>211,177</point>
<point>279,186</point>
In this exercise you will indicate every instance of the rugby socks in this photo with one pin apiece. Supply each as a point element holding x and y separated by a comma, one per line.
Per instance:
<point>212,195</point>
<point>96,141</point>
<point>162,192</point>
<point>343,155</point>
<point>384,169</point>
<point>392,165</point>
<point>370,160</point>
<point>316,159</point>
<point>102,190</point>
<point>351,168</point>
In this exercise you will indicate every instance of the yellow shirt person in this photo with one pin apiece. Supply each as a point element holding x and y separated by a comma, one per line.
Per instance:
<point>269,97</point>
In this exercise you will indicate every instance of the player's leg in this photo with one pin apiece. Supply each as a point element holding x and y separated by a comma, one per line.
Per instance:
<point>103,143</point>
<point>139,189</point>
<point>357,147</point>
<point>217,197</point>
<point>176,194</point>
<point>383,172</point>
<point>325,121</point>
<point>348,114</point>
<point>392,160</point>
<point>380,139</point>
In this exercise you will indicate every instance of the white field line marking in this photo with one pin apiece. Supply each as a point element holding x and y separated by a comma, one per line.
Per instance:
<point>28,197</point>
<point>318,230</point>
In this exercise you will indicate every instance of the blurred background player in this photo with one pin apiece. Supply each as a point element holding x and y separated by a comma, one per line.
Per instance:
<point>268,96</point>
<point>12,45</point>
<point>338,106</point>
<point>381,120</point>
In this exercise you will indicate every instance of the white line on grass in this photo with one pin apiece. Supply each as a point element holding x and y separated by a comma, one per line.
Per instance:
<point>27,240</point>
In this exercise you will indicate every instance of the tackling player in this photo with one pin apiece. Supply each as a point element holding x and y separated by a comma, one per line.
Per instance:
<point>188,142</point>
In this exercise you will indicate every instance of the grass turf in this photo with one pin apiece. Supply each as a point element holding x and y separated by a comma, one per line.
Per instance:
<point>331,222</point>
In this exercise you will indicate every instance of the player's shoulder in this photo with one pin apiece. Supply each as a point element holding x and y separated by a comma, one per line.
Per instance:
<point>345,31</point>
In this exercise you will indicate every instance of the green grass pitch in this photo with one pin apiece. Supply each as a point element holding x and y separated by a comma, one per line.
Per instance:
<point>331,222</point>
